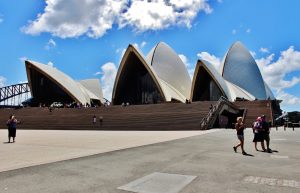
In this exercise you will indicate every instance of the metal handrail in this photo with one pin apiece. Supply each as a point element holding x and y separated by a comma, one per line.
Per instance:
<point>205,120</point>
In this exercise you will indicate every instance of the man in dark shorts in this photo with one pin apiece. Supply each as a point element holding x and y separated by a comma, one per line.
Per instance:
<point>266,132</point>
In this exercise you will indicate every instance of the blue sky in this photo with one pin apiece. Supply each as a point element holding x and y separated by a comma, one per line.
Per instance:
<point>86,38</point>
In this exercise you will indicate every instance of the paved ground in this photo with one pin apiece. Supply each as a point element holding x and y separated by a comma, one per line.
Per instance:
<point>34,147</point>
<point>209,157</point>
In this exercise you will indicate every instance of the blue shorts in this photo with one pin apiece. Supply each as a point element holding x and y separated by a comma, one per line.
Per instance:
<point>240,137</point>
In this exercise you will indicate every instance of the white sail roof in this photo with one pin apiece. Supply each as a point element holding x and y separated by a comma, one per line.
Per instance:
<point>240,68</point>
<point>170,68</point>
<point>168,72</point>
<point>76,90</point>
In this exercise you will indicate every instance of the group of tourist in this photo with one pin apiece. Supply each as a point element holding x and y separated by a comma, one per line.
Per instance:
<point>261,131</point>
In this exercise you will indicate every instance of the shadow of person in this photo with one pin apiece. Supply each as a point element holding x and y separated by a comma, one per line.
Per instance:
<point>273,151</point>
<point>247,154</point>
<point>6,142</point>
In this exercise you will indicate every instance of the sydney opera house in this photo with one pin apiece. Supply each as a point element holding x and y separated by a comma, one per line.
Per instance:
<point>238,78</point>
<point>48,84</point>
<point>158,77</point>
<point>161,76</point>
<point>217,95</point>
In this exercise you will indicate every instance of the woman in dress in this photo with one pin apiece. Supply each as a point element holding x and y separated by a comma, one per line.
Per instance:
<point>257,130</point>
<point>12,127</point>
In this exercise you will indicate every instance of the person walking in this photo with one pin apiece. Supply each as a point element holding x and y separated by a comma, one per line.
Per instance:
<point>12,127</point>
<point>94,120</point>
<point>257,130</point>
<point>239,126</point>
<point>265,133</point>
<point>100,120</point>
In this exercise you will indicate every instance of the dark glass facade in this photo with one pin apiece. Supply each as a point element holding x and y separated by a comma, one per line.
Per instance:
<point>45,91</point>
<point>135,84</point>
<point>205,88</point>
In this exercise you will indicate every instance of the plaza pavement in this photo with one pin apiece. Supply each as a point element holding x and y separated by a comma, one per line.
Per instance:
<point>208,158</point>
<point>34,147</point>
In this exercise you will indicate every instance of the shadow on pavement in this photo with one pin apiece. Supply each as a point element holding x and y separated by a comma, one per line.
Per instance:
<point>247,154</point>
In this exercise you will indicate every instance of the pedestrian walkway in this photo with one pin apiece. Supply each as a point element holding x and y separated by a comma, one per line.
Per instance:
<point>201,163</point>
<point>34,147</point>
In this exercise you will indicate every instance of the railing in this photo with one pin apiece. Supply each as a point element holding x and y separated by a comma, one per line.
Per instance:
<point>244,114</point>
<point>210,118</point>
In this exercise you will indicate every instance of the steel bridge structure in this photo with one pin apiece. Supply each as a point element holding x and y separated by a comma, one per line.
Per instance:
<point>14,95</point>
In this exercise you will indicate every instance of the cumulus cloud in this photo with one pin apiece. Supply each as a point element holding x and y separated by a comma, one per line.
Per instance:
<point>50,44</point>
<point>122,51</point>
<point>288,99</point>
<point>275,72</point>
<point>138,46</point>
<point>253,53</point>
<point>50,64</point>
<point>189,67</point>
<point>93,18</point>
<point>160,14</point>
<point>184,60</point>
<point>264,50</point>
<point>214,60</point>
<point>109,71</point>
<point>73,18</point>
<point>2,81</point>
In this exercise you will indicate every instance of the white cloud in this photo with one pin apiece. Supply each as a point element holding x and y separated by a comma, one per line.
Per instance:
<point>1,20</point>
<point>143,44</point>
<point>234,31</point>
<point>264,50</point>
<point>190,68</point>
<point>122,51</point>
<point>93,18</point>
<point>137,46</point>
<point>214,60</point>
<point>98,73</point>
<point>287,99</point>
<point>109,71</point>
<point>22,59</point>
<point>275,72</point>
<point>160,14</point>
<point>2,81</point>
<point>50,64</point>
<point>23,81</point>
<point>253,53</point>
<point>184,60</point>
<point>248,30</point>
<point>122,54</point>
<point>73,18</point>
<point>50,44</point>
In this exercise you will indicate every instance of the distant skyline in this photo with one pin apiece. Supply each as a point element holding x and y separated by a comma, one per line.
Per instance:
<point>86,38</point>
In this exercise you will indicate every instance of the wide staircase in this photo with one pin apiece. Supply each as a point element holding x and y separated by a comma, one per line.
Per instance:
<point>255,109</point>
<point>167,116</point>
